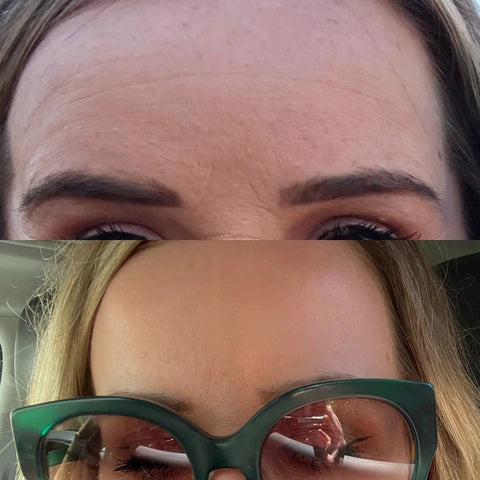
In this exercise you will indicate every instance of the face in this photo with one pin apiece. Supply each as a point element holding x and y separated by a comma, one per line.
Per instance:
<point>218,330</point>
<point>245,119</point>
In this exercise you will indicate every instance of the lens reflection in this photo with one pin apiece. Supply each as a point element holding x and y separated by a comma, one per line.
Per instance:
<point>114,448</point>
<point>348,439</point>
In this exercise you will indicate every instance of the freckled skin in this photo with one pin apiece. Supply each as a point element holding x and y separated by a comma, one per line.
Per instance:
<point>227,103</point>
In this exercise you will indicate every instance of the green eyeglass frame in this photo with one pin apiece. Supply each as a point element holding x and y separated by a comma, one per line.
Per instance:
<point>415,400</point>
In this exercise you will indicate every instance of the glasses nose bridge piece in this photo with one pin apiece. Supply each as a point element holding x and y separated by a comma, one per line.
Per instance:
<point>233,454</point>
<point>228,453</point>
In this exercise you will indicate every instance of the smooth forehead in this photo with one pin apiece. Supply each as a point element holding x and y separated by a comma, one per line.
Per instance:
<point>214,324</point>
<point>151,62</point>
<point>283,263</point>
<point>234,303</point>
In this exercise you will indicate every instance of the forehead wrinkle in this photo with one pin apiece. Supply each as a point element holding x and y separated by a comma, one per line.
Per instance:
<point>346,5</point>
<point>395,71</point>
<point>57,89</point>
<point>386,100</point>
<point>137,85</point>
<point>335,84</point>
<point>330,84</point>
<point>270,110</point>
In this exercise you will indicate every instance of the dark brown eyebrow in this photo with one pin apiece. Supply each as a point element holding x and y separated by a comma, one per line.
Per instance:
<point>363,182</point>
<point>101,187</point>
<point>265,395</point>
<point>149,192</point>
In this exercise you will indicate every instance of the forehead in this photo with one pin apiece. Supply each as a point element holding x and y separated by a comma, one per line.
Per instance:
<point>211,86</point>
<point>243,316</point>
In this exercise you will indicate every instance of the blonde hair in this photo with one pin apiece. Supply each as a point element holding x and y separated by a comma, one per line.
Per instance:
<point>450,30</point>
<point>427,336</point>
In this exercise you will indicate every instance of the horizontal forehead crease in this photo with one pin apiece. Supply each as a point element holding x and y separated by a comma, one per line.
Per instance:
<point>239,87</point>
<point>259,95</point>
<point>166,133</point>
<point>165,51</point>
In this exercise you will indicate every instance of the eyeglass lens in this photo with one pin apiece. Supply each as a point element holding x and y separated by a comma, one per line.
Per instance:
<point>348,439</point>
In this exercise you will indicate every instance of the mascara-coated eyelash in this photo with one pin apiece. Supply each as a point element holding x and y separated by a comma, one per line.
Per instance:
<point>361,230</point>
<point>151,470</point>
<point>342,229</point>
<point>117,232</point>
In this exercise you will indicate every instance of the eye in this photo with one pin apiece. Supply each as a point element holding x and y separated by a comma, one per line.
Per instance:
<point>357,229</point>
<point>118,232</point>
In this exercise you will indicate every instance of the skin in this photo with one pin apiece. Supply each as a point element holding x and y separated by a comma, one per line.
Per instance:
<point>227,103</point>
<point>205,337</point>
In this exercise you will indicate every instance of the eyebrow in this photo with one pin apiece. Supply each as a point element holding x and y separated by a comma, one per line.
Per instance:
<point>101,187</point>
<point>363,182</point>
<point>75,184</point>
<point>265,395</point>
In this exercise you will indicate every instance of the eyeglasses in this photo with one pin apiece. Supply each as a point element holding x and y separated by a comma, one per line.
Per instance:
<point>354,429</point>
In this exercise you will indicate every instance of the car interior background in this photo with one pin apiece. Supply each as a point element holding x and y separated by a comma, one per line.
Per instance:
<point>22,265</point>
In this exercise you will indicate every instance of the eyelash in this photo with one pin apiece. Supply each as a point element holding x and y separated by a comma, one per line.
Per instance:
<point>362,230</point>
<point>111,232</point>
<point>134,464</point>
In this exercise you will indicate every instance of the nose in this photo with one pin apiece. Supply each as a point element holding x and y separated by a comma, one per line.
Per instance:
<point>226,474</point>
